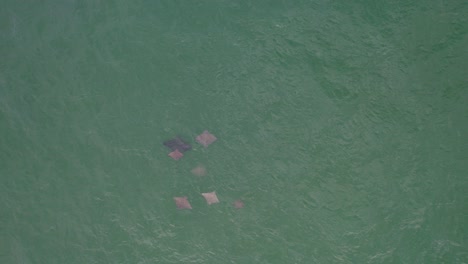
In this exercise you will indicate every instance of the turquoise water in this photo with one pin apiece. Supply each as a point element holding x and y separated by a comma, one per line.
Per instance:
<point>342,127</point>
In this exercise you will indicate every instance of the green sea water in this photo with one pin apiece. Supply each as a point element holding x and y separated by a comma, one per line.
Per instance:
<point>342,125</point>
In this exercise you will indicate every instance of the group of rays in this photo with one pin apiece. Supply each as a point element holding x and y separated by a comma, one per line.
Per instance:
<point>178,147</point>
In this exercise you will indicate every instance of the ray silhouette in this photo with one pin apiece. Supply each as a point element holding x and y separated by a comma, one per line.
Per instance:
<point>211,197</point>
<point>177,143</point>
<point>176,154</point>
<point>206,138</point>
<point>200,170</point>
<point>238,204</point>
<point>182,202</point>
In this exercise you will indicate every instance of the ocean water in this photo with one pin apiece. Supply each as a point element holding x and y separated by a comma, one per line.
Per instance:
<point>342,126</point>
